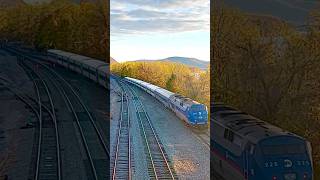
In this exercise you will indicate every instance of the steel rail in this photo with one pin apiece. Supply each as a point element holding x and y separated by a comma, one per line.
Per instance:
<point>15,92</point>
<point>22,99</point>
<point>154,135</point>
<point>62,80</point>
<point>124,98</point>
<point>84,141</point>
<point>82,104</point>
<point>29,58</point>
<point>54,120</point>
<point>52,72</point>
<point>78,121</point>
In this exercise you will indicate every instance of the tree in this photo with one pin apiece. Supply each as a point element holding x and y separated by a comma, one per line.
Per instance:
<point>171,83</point>
<point>269,69</point>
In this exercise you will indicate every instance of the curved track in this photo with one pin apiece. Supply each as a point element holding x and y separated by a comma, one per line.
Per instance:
<point>48,163</point>
<point>159,165</point>
<point>95,146</point>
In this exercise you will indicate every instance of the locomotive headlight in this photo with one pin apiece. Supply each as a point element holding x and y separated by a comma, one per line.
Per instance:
<point>291,176</point>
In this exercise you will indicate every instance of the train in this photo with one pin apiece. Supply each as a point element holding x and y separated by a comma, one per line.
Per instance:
<point>93,69</point>
<point>246,148</point>
<point>192,112</point>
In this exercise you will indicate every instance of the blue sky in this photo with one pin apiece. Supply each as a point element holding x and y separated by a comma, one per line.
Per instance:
<point>156,29</point>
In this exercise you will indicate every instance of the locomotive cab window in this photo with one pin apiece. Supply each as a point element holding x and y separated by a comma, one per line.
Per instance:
<point>287,149</point>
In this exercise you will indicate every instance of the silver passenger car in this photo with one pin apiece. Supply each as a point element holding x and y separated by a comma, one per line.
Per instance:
<point>91,68</point>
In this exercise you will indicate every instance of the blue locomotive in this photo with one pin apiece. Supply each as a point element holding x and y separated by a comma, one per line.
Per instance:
<point>185,108</point>
<point>244,147</point>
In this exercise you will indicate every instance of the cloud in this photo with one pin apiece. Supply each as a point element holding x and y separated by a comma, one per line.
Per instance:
<point>164,3</point>
<point>154,16</point>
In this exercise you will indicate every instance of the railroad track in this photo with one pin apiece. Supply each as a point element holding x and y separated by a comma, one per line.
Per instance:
<point>48,162</point>
<point>122,159</point>
<point>97,152</point>
<point>93,142</point>
<point>159,166</point>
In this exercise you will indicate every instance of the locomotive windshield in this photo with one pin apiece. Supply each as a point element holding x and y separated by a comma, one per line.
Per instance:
<point>198,107</point>
<point>284,149</point>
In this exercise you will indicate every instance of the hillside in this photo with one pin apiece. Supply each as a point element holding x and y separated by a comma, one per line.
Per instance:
<point>248,71</point>
<point>191,62</point>
<point>175,77</point>
<point>41,32</point>
<point>293,11</point>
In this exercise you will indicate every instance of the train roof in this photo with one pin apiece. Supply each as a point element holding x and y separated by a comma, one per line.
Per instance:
<point>138,81</point>
<point>73,56</point>
<point>104,68</point>
<point>185,100</point>
<point>134,80</point>
<point>61,53</point>
<point>244,124</point>
<point>94,63</point>
<point>152,87</point>
<point>165,92</point>
<point>54,51</point>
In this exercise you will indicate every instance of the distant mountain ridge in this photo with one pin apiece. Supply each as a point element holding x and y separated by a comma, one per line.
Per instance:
<point>191,62</point>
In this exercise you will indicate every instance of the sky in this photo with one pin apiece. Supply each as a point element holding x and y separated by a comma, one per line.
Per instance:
<point>157,29</point>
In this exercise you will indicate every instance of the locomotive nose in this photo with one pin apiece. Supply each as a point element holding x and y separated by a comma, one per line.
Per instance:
<point>287,169</point>
<point>290,176</point>
<point>200,117</point>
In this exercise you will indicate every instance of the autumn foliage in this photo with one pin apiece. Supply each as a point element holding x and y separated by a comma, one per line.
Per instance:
<point>80,28</point>
<point>270,69</point>
<point>175,77</point>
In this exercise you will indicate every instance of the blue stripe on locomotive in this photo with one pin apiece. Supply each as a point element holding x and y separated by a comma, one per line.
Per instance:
<point>260,166</point>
